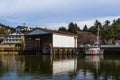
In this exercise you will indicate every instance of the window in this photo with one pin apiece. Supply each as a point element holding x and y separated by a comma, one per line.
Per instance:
<point>12,36</point>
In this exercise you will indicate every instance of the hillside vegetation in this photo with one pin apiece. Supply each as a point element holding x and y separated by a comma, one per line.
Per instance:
<point>6,29</point>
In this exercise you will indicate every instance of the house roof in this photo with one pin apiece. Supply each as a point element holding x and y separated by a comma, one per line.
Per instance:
<point>117,41</point>
<point>48,31</point>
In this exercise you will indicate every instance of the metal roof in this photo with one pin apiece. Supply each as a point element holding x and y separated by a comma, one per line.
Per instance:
<point>38,31</point>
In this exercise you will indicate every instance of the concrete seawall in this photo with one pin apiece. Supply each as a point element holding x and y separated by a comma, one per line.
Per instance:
<point>13,53</point>
<point>107,50</point>
<point>111,50</point>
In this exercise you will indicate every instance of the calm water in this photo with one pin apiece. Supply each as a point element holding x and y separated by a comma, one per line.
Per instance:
<point>38,67</point>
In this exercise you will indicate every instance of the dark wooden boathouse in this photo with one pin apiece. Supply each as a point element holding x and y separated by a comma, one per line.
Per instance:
<point>44,41</point>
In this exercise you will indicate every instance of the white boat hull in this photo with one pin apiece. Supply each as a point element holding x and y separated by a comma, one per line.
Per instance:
<point>94,51</point>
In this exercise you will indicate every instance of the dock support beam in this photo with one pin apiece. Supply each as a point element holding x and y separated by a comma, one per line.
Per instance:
<point>63,51</point>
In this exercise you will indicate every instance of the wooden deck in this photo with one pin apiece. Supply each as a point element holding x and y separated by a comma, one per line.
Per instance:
<point>10,49</point>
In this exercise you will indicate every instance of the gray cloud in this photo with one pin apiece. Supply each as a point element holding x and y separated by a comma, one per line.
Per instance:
<point>56,12</point>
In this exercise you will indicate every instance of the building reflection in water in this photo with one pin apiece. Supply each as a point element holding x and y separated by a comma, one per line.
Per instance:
<point>59,67</point>
<point>64,65</point>
<point>37,66</point>
<point>48,67</point>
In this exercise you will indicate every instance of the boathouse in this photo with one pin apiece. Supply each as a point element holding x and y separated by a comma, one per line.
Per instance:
<point>45,40</point>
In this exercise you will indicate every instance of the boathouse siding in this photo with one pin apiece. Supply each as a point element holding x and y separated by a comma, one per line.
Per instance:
<point>64,41</point>
<point>43,39</point>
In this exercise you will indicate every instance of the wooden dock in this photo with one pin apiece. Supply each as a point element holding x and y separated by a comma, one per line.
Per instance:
<point>9,49</point>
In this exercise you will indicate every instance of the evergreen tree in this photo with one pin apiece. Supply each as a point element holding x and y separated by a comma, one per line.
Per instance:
<point>76,26</point>
<point>116,28</point>
<point>62,29</point>
<point>85,28</point>
<point>94,28</point>
<point>73,28</point>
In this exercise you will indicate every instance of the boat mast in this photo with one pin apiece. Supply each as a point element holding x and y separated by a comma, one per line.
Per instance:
<point>98,35</point>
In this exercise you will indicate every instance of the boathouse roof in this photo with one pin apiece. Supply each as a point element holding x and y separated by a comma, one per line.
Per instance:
<point>38,31</point>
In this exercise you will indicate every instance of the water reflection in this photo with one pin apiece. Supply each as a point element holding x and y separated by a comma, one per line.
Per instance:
<point>67,67</point>
<point>63,66</point>
<point>93,61</point>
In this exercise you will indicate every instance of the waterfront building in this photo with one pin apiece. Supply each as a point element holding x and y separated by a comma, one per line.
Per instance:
<point>12,39</point>
<point>42,40</point>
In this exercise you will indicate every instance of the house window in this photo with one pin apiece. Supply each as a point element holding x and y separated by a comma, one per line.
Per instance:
<point>12,40</point>
<point>15,36</point>
<point>9,41</point>
<point>19,36</point>
<point>6,37</point>
<point>16,40</point>
<point>12,36</point>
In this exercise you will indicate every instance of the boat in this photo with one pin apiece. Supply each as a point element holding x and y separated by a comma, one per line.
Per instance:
<point>95,48</point>
<point>92,50</point>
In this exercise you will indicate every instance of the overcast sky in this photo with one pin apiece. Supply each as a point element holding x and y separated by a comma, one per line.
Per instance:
<point>56,13</point>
